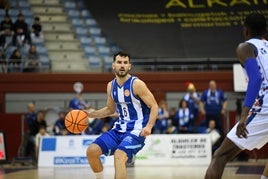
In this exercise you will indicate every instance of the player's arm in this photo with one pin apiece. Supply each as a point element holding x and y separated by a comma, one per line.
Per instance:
<point>141,90</point>
<point>108,110</point>
<point>247,58</point>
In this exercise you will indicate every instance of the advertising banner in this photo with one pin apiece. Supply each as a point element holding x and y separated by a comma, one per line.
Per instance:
<point>194,149</point>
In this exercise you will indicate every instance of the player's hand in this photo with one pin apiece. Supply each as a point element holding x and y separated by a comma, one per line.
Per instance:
<point>241,130</point>
<point>146,131</point>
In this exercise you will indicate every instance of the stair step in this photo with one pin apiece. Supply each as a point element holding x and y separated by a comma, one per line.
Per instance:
<point>63,46</point>
<point>59,36</point>
<point>47,10</point>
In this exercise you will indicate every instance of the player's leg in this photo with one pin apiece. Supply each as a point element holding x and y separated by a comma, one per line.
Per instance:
<point>265,171</point>
<point>105,144</point>
<point>226,152</point>
<point>120,159</point>
<point>93,155</point>
<point>127,149</point>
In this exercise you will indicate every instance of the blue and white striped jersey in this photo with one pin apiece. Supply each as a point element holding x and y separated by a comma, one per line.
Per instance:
<point>133,112</point>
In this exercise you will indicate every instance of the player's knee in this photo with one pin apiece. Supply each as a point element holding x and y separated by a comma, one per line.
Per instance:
<point>120,155</point>
<point>93,151</point>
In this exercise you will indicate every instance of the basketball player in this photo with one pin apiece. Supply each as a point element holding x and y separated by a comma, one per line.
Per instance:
<point>137,109</point>
<point>252,129</point>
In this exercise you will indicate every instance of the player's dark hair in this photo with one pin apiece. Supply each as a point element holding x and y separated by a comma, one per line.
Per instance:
<point>122,54</point>
<point>256,23</point>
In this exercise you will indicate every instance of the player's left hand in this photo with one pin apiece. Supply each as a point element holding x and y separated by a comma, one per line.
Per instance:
<point>241,130</point>
<point>146,131</point>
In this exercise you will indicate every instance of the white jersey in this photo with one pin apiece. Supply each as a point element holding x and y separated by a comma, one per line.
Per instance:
<point>257,125</point>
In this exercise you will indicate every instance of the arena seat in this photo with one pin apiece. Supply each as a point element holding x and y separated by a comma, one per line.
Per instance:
<point>86,41</point>
<point>76,22</point>
<point>90,22</point>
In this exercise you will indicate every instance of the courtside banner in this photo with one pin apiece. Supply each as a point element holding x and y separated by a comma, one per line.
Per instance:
<point>182,149</point>
<point>66,151</point>
<point>158,150</point>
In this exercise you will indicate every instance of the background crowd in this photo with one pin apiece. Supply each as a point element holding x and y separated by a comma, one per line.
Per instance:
<point>18,44</point>
<point>196,113</point>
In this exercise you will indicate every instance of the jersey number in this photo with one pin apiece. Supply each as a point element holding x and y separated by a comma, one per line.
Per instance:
<point>125,113</point>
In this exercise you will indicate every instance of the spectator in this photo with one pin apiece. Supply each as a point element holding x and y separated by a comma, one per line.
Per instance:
<point>41,133</point>
<point>95,127</point>
<point>36,33</point>
<point>184,118</point>
<point>40,121</point>
<point>59,126</point>
<point>32,60</point>
<point>21,32</point>
<point>6,32</point>
<point>15,61</point>
<point>172,121</point>
<point>161,123</point>
<point>3,61</point>
<point>193,99</point>
<point>214,134</point>
<point>213,105</point>
<point>29,141</point>
<point>78,102</point>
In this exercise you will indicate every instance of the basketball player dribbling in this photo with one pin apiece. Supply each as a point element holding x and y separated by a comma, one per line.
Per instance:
<point>252,129</point>
<point>137,109</point>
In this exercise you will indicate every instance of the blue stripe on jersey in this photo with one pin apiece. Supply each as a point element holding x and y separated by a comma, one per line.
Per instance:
<point>133,113</point>
<point>255,109</point>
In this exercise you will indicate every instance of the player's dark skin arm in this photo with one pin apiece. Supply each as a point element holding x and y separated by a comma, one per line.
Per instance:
<point>244,51</point>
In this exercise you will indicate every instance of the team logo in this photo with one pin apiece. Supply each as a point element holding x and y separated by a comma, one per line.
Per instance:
<point>126,93</point>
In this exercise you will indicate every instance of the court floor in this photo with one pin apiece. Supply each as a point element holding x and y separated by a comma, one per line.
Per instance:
<point>233,170</point>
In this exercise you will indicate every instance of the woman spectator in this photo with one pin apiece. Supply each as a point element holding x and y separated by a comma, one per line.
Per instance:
<point>32,60</point>
<point>15,61</point>
<point>184,118</point>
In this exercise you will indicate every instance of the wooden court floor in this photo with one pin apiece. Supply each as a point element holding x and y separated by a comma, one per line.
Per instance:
<point>233,170</point>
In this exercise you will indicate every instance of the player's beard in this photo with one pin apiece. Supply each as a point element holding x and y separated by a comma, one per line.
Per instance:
<point>121,73</point>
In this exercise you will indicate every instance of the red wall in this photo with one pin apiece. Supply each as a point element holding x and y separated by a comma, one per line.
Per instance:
<point>159,83</point>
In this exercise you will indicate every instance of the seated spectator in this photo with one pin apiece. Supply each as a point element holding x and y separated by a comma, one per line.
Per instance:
<point>21,33</point>
<point>3,62</point>
<point>184,118</point>
<point>32,60</point>
<point>40,121</point>
<point>95,127</point>
<point>6,33</point>
<point>59,126</point>
<point>15,61</point>
<point>161,123</point>
<point>36,33</point>
<point>41,133</point>
<point>215,135</point>
<point>172,121</point>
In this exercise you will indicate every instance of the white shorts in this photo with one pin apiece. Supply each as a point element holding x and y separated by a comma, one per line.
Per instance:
<point>257,129</point>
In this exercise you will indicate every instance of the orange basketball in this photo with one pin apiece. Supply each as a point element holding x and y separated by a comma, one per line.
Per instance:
<point>76,121</point>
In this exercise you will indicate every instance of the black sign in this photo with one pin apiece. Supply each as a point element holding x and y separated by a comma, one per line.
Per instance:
<point>175,28</point>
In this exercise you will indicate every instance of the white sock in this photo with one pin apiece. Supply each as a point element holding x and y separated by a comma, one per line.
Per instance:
<point>99,175</point>
<point>264,177</point>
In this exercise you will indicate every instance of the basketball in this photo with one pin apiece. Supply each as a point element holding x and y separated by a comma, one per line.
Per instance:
<point>76,121</point>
